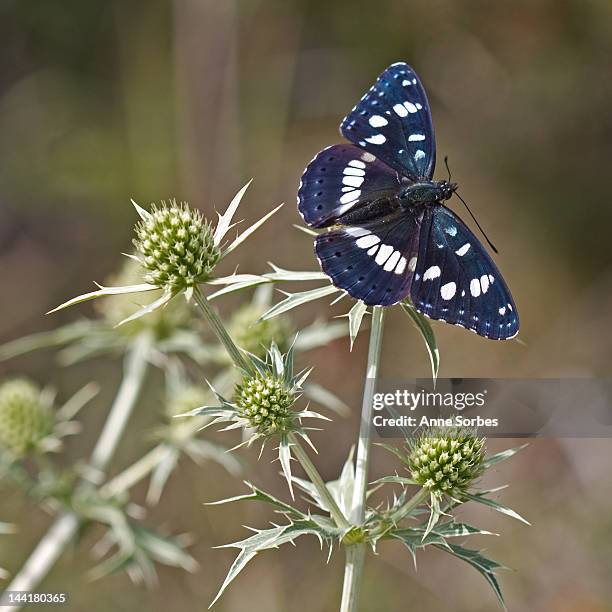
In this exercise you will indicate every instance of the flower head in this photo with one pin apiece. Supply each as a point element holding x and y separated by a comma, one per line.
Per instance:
<point>25,417</point>
<point>176,246</point>
<point>265,402</point>
<point>177,250</point>
<point>446,461</point>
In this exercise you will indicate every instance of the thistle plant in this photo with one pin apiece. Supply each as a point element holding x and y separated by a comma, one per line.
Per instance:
<point>256,389</point>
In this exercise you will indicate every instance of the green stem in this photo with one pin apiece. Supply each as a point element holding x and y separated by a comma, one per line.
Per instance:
<point>217,326</point>
<point>52,544</point>
<point>297,449</point>
<point>324,493</point>
<point>410,505</point>
<point>355,554</point>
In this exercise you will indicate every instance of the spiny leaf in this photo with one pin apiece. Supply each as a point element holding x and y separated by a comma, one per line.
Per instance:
<point>297,299</point>
<point>225,219</point>
<point>102,292</point>
<point>424,327</point>
<point>485,566</point>
<point>502,456</point>
<point>355,317</point>
<point>479,498</point>
<point>242,237</point>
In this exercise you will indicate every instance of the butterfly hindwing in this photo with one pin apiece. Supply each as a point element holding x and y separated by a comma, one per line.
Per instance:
<point>340,177</point>
<point>374,262</point>
<point>393,122</point>
<point>457,281</point>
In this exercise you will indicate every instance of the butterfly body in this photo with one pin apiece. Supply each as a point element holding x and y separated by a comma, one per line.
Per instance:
<point>389,235</point>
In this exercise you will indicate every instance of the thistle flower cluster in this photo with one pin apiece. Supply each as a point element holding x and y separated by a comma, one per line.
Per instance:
<point>177,246</point>
<point>265,402</point>
<point>25,418</point>
<point>447,461</point>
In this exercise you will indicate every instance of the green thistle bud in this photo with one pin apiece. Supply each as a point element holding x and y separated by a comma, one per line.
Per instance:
<point>25,419</point>
<point>116,308</point>
<point>176,246</point>
<point>256,336</point>
<point>446,461</point>
<point>266,403</point>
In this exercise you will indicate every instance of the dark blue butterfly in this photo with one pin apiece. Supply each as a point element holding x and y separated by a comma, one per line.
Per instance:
<point>390,235</point>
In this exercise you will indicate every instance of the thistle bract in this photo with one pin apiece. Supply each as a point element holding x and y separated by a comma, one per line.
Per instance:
<point>24,418</point>
<point>265,402</point>
<point>119,307</point>
<point>447,461</point>
<point>176,246</point>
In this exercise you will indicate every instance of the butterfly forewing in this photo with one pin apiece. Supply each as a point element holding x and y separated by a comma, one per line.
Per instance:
<point>393,122</point>
<point>373,262</point>
<point>340,177</point>
<point>457,281</point>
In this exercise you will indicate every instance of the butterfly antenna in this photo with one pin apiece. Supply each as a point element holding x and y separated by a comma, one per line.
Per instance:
<point>447,168</point>
<point>478,224</point>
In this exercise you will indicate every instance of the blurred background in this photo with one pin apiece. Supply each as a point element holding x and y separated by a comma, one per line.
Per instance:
<point>103,101</point>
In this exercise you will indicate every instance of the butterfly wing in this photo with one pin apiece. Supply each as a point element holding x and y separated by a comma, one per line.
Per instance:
<point>340,177</point>
<point>457,281</point>
<point>393,122</point>
<point>374,262</point>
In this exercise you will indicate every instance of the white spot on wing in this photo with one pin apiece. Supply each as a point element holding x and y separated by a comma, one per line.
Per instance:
<point>357,232</point>
<point>365,242</point>
<point>350,197</point>
<point>502,310</point>
<point>432,273</point>
<point>376,139</point>
<point>475,287</point>
<point>410,107</point>
<point>353,171</point>
<point>352,181</point>
<point>392,261</point>
<point>401,266</point>
<point>416,137</point>
<point>355,163</point>
<point>448,291</point>
<point>368,157</point>
<point>383,254</point>
<point>419,155</point>
<point>463,250</point>
<point>377,121</point>
<point>412,264</point>
<point>484,283</point>
<point>400,110</point>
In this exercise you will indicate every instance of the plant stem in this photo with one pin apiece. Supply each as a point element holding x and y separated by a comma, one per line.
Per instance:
<point>52,544</point>
<point>355,554</point>
<point>410,505</point>
<point>217,325</point>
<point>353,570</point>
<point>302,456</point>
<point>299,452</point>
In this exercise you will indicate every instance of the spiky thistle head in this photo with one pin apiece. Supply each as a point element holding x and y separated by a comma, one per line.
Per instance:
<point>25,417</point>
<point>446,461</point>
<point>176,246</point>
<point>265,402</point>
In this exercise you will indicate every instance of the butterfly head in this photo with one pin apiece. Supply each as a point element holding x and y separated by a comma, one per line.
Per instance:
<point>447,188</point>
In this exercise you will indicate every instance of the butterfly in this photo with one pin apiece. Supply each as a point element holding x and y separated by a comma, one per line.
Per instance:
<point>389,235</point>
